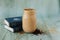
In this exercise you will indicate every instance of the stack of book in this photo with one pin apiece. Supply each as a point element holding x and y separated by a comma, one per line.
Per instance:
<point>13,24</point>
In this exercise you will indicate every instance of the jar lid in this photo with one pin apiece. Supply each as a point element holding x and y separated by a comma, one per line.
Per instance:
<point>29,10</point>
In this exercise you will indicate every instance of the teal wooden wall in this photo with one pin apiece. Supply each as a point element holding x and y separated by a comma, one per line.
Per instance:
<point>45,9</point>
<point>15,7</point>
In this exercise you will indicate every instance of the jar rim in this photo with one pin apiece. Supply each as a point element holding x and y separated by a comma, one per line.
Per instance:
<point>29,9</point>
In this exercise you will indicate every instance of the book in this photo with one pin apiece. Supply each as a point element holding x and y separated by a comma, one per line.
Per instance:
<point>13,21</point>
<point>15,29</point>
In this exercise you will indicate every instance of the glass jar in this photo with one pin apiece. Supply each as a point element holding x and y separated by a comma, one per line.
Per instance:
<point>29,20</point>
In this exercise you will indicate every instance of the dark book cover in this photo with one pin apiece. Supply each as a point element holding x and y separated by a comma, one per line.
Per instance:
<point>13,21</point>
